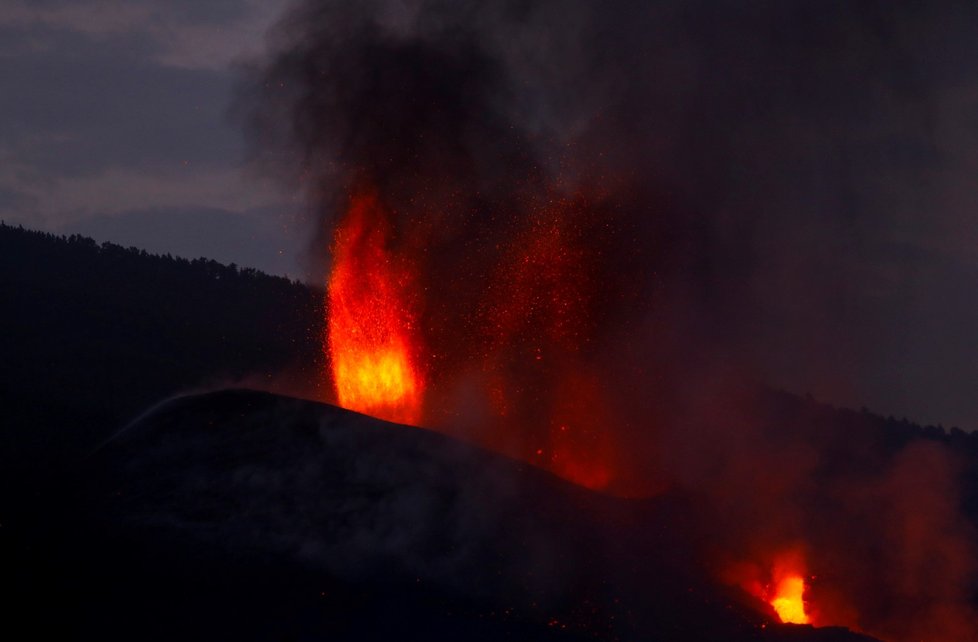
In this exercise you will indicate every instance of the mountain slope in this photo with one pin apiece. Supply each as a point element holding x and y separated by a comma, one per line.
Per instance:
<point>246,515</point>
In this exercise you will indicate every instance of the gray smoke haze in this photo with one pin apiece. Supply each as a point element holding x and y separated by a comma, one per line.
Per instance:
<point>795,175</point>
<point>775,192</point>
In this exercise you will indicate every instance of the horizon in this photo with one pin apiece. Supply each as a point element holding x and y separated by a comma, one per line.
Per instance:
<point>917,422</point>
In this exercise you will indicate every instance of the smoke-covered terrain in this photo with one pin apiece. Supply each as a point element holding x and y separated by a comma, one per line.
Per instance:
<point>252,516</point>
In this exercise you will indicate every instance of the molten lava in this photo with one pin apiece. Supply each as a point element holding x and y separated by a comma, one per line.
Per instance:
<point>524,321</point>
<point>788,600</point>
<point>786,594</point>
<point>780,582</point>
<point>372,337</point>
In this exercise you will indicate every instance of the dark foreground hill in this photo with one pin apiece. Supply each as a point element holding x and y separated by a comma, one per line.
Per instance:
<point>242,515</point>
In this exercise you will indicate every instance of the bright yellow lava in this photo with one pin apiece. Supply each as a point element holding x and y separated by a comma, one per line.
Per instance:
<point>371,337</point>
<point>789,600</point>
<point>379,382</point>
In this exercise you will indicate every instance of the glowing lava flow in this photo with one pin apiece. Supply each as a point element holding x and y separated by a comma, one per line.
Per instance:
<point>788,600</point>
<point>371,328</point>
<point>782,586</point>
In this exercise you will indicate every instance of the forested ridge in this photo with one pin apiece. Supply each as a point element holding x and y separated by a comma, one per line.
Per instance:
<point>94,333</point>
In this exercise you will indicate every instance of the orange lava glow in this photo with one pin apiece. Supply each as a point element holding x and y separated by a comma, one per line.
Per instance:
<point>539,326</point>
<point>525,330</point>
<point>372,339</point>
<point>788,600</point>
<point>780,581</point>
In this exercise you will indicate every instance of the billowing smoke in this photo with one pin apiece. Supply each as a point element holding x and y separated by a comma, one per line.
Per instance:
<point>622,219</point>
<point>525,255</point>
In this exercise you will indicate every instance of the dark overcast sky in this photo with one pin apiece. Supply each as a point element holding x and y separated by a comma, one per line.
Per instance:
<point>114,123</point>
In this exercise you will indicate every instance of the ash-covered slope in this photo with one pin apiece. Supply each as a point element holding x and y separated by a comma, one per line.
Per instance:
<point>243,515</point>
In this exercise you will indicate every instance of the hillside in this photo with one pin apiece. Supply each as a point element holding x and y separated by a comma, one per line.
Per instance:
<point>93,334</point>
<point>243,515</point>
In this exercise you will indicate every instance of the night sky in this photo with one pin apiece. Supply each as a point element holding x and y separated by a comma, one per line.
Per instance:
<point>115,125</point>
<point>834,143</point>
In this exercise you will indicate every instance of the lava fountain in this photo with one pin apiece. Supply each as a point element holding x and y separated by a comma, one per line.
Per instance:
<point>372,339</point>
<point>780,583</point>
<point>788,600</point>
<point>786,594</point>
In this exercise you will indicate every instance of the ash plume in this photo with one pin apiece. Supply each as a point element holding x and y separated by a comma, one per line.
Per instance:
<point>730,194</point>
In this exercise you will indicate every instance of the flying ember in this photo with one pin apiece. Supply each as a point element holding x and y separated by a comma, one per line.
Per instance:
<point>372,339</point>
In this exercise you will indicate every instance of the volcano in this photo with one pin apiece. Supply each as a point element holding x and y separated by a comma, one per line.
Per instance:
<point>247,515</point>
<point>567,269</point>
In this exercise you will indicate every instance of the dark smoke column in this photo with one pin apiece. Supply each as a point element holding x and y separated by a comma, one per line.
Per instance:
<point>515,254</point>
